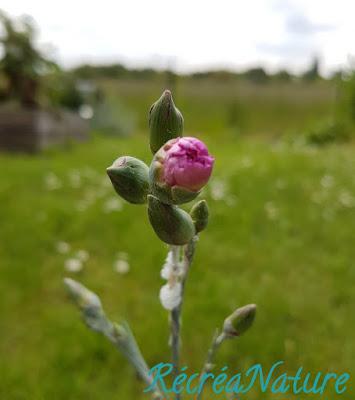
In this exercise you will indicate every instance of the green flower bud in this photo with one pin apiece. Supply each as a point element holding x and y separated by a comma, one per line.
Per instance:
<point>199,214</point>
<point>165,121</point>
<point>171,224</point>
<point>82,297</point>
<point>130,179</point>
<point>89,305</point>
<point>240,321</point>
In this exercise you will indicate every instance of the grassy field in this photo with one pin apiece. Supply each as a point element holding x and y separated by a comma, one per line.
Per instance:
<point>280,235</point>
<point>240,108</point>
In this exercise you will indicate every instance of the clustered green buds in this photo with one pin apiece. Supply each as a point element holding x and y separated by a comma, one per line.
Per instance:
<point>181,166</point>
<point>239,321</point>
<point>130,179</point>
<point>165,121</point>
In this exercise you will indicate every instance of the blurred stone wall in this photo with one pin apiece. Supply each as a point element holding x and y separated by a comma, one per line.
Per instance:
<point>28,130</point>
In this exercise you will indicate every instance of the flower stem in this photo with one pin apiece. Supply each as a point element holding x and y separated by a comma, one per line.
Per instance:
<point>175,316</point>
<point>120,335</point>
<point>217,340</point>
<point>175,340</point>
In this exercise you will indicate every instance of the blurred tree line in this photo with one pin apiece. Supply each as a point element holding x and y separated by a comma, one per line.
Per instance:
<point>255,74</point>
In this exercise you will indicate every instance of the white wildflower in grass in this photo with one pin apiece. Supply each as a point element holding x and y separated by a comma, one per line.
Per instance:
<point>231,200</point>
<point>75,179</point>
<point>82,255</point>
<point>346,199</point>
<point>271,210</point>
<point>73,265</point>
<point>62,247</point>
<point>52,182</point>
<point>247,162</point>
<point>218,189</point>
<point>327,181</point>
<point>121,266</point>
<point>112,204</point>
<point>280,184</point>
<point>170,295</point>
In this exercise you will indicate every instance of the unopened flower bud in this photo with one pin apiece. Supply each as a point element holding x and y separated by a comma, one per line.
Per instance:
<point>171,224</point>
<point>89,305</point>
<point>179,170</point>
<point>165,121</point>
<point>199,214</point>
<point>130,179</point>
<point>240,321</point>
<point>82,296</point>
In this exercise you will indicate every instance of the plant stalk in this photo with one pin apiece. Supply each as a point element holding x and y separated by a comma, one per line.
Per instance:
<point>120,335</point>
<point>175,316</point>
<point>217,340</point>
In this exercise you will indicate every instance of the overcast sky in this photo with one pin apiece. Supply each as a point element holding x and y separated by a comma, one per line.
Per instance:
<point>195,34</point>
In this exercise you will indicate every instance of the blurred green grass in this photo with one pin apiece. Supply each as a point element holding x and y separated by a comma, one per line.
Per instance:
<point>281,235</point>
<point>240,107</point>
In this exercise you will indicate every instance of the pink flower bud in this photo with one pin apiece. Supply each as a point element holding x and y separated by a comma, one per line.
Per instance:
<point>179,170</point>
<point>187,163</point>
